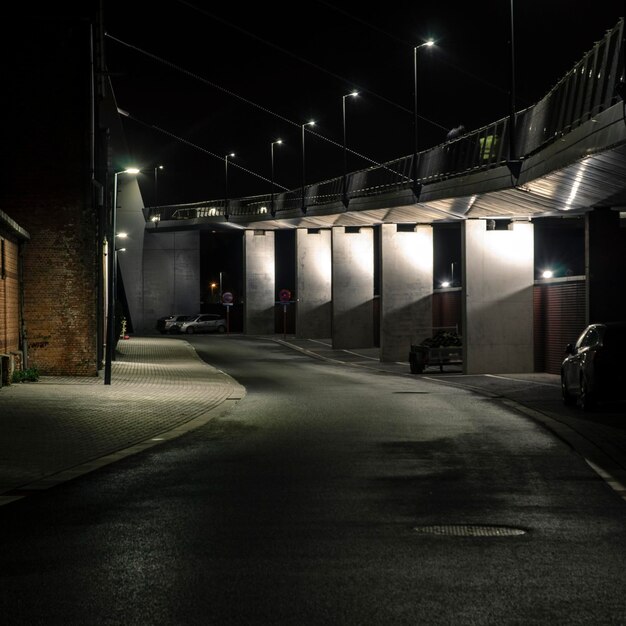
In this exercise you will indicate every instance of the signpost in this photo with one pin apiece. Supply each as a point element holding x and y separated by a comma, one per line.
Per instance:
<point>284,297</point>
<point>227,301</point>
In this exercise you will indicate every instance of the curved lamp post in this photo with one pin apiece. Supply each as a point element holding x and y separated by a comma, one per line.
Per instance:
<point>416,186</point>
<point>112,277</point>
<point>344,180</point>
<point>272,209</point>
<point>302,126</point>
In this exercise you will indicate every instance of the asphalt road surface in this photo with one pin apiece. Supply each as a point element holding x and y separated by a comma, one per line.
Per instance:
<point>328,495</point>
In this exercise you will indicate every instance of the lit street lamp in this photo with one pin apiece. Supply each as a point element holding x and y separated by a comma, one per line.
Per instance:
<point>231,155</point>
<point>344,186</point>
<point>272,210</point>
<point>156,184</point>
<point>302,126</point>
<point>112,277</point>
<point>428,44</point>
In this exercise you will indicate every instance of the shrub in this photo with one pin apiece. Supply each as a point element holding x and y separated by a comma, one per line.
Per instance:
<point>31,374</point>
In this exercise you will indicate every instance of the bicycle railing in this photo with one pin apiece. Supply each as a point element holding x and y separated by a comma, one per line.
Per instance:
<point>589,88</point>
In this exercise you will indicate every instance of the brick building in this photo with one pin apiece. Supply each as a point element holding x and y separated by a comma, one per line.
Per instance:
<point>12,239</point>
<point>50,187</point>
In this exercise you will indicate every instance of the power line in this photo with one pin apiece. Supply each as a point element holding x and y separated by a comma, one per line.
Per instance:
<point>408,44</point>
<point>196,146</point>
<point>237,96</point>
<point>306,61</point>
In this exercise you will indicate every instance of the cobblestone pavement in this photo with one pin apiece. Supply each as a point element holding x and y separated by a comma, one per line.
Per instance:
<point>60,427</point>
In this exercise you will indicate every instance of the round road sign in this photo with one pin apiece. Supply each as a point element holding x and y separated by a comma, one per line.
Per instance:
<point>227,297</point>
<point>284,295</point>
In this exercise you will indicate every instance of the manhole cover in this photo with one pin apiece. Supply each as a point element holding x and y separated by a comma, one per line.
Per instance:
<point>470,530</point>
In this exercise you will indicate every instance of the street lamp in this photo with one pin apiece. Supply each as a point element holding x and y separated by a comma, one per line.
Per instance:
<point>302,126</point>
<point>231,155</point>
<point>112,277</point>
<point>156,184</point>
<point>344,186</point>
<point>272,210</point>
<point>427,44</point>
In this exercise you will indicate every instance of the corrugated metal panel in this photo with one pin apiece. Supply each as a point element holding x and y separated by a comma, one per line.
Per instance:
<point>447,309</point>
<point>559,318</point>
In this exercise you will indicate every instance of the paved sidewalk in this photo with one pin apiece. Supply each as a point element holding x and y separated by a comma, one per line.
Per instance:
<point>62,427</point>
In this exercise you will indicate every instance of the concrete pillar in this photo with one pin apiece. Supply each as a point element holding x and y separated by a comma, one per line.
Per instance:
<point>259,282</point>
<point>406,284</point>
<point>313,284</point>
<point>171,276</point>
<point>498,277</point>
<point>353,287</point>
<point>605,262</point>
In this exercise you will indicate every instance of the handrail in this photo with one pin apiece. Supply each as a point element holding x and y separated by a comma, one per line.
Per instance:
<point>590,87</point>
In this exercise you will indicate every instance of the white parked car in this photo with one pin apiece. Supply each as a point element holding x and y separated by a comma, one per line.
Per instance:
<point>204,323</point>
<point>164,324</point>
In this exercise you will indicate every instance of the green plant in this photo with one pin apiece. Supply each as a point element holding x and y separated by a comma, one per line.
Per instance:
<point>31,374</point>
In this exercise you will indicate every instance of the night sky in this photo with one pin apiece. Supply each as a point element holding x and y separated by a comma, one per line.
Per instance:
<point>296,61</point>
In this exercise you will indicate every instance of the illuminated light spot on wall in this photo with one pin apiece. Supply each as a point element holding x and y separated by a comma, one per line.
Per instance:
<point>574,191</point>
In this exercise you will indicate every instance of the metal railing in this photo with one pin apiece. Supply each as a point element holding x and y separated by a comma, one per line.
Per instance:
<point>587,89</point>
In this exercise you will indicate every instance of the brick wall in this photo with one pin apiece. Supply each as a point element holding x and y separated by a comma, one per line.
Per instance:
<point>48,191</point>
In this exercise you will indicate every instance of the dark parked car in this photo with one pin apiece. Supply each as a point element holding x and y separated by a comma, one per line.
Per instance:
<point>595,367</point>
<point>205,323</point>
<point>164,324</point>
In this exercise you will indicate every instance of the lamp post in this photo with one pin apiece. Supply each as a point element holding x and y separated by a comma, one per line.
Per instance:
<point>231,155</point>
<point>278,141</point>
<point>302,126</point>
<point>344,180</point>
<point>112,277</point>
<point>428,44</point>
<point>514,163</point>
<point>156,184</point>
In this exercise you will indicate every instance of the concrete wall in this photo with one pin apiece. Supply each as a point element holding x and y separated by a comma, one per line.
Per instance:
<point>171,276</point>
<point>313,284</point>
<point>259,282</point>
<point>498,275</point>
<point>406,283</point>
<point>353,288</point>
<point>130,220</point>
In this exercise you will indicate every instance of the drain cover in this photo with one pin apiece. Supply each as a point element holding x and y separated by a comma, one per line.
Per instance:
<point>470,530</point>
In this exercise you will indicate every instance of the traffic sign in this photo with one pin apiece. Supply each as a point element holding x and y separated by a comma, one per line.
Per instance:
<point>227,297</point>
<point>284,295</point>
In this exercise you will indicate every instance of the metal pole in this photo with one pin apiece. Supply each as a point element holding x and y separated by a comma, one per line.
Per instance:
<point>156,186</point>
<point>111,287</point>
<point>303,207</point>
<point>415,148</point>
<point>344,191</point>
<point>226,178</point>
<point>272,181</point>
<point>512,139</point>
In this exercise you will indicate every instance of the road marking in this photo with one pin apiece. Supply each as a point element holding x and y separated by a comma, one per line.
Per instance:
<point>518,380</point>
<point>328,345</point>
<point>612,482</point>
<point>363,356</point>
